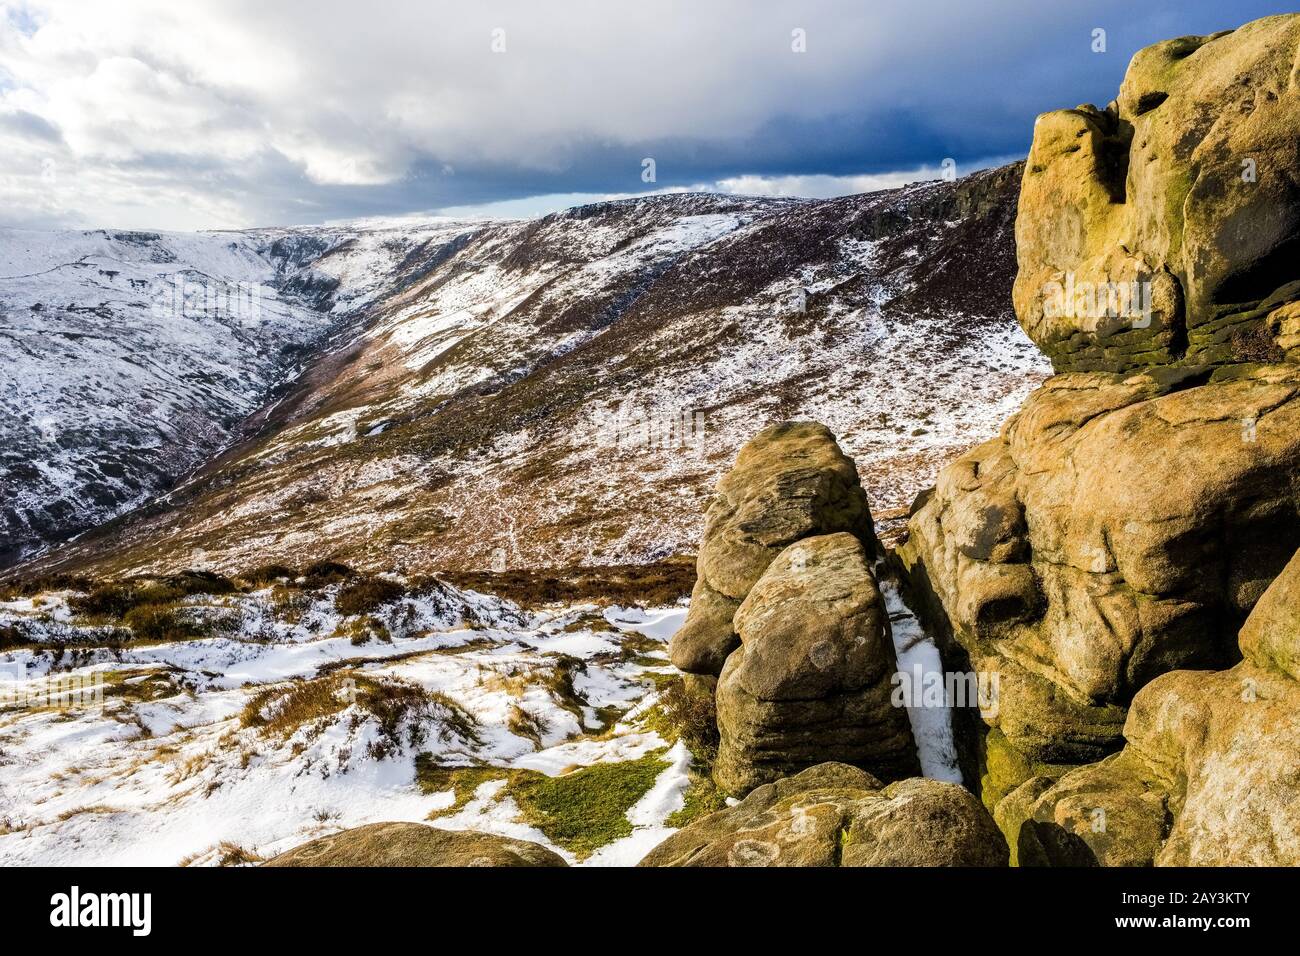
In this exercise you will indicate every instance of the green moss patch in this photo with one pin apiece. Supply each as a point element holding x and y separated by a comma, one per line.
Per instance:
<point>580,811</point>
<point>586,809</point>
<point>702,797</point>
<point>1003,768</point>
<point>433,777</point>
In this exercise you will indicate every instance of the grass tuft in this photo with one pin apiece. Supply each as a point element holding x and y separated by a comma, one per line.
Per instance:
<point>366,595</point>
<point>521,723</point>
<point>160,622</point>
<point>405,712</point>
<point>692,719</point>
<point>261,576</point>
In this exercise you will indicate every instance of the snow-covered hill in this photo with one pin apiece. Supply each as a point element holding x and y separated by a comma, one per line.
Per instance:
<point>127,359</point>
<point>566,390</point>
<point>159,753</point>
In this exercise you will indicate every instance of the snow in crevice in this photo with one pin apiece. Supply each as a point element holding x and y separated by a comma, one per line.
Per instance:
<point>918,659</point>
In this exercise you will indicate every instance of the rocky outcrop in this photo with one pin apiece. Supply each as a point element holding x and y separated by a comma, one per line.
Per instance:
<point>790,481</point>
<point>413,844</point>
<point>836,815</point>
<point>1116,530</point>
<point>1130,516</point>
<point>1164,228</point>
<point>1210,772</point>
<point>1098,555</point>
<point>811,680</point>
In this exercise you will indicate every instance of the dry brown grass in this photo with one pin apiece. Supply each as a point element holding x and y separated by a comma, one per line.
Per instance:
<point>691,718</point>
<point>289,603</point>
<point>227,853</point>
<point>555,673</point>
<point>366,595</point>
<point>646,584</point>
<point>79,811</point>
<point>10,825</point>
<point>521,723</point>
<point>512,677</point>
<point>405,712</point>
<point>281,710</point>
<point>1257,344</point>
<point>186,766</point>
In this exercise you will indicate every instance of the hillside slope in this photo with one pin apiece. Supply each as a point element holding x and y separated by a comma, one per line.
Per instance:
<point>566,390</point>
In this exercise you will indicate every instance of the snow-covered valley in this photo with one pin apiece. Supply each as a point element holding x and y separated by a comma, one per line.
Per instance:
<point>129,359</point>
<point>412,398</point>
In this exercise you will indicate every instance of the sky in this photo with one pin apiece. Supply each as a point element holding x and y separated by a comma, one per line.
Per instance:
<point>160,114</point>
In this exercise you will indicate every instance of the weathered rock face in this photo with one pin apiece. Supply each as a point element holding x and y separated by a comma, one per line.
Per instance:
<point>1187,185</point>
<point>836,815</point>
<point>1271,635</point>
<point>1210,774</point>
<point>413,844</point>
<point>811,680</point>
<point>1115,531</point>
<point>1131,515</point>
<point>791,481</point>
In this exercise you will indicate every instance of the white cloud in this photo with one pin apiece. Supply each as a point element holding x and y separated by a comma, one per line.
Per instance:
<point>822,187</point>
<point>246,110</point>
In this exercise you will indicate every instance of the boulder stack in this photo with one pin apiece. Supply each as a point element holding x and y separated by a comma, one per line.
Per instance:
<point>791,481</point>
<point>1130,516</point>
<point>1165,228</point>
<point>812,678</point>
